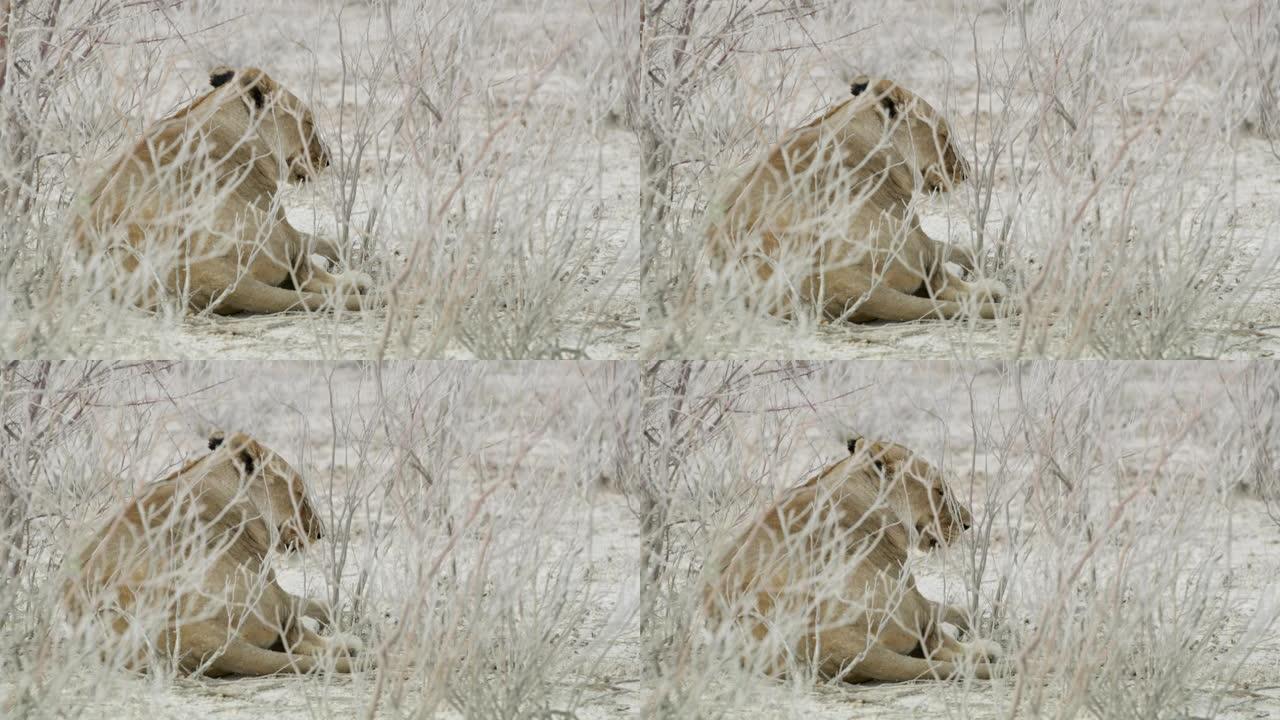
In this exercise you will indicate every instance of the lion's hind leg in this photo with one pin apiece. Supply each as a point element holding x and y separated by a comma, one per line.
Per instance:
<point>242,658</point>
<point>849,293</point>
<point>881,663</point>
<point>884,664</point>
<point>209,649</point>
<point>853,655</point>
<point>231,291</point>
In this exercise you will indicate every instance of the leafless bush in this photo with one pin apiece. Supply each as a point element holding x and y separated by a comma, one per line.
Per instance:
<point>1259,43</point>
<point>48,484</point>
<point>1132,246</point>
<point>1106,555</point>
<point>1115,591</point>
<point>675,71</point>
<point>50,53</point>
<point>464,529</point>
<point>1254,444</point>
<point>1105,189</point>
<point>463,178</point>
<point>688,414</point>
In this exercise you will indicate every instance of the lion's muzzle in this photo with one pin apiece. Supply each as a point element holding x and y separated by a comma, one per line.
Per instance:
<point>305,165</point>
<point>320,155</point>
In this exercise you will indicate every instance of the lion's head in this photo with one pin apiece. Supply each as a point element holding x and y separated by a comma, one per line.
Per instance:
<point>250,101</point>
<point>914,135</point>
<point>272,486</point>
<point>917,492</point>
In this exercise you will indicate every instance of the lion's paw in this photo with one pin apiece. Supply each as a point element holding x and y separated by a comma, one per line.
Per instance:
<point>990,290</point>
<point>986,651</point>
<point>346,644</point>
<point>356,281</point>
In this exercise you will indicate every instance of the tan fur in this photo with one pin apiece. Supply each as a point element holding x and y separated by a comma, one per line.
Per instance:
<point>876,263</point>
<point>854,522</point>
<point>192,209</point>
<point>184,564</point>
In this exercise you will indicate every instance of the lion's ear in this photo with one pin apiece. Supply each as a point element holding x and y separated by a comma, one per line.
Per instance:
<point>889,106</point>
<point>860,85</point>
<point>875,450</point>
<point>220,75</point>
<point>258,85</point>
<point>245,459</point>
<point>887,103</point>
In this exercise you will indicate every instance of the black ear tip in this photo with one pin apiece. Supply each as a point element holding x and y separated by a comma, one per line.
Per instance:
<point>247,459</point>
<point>220,76</point>
<point>215,441</point>
<point>852,444</point>
<point>259,99</point>
<point>858,87</point>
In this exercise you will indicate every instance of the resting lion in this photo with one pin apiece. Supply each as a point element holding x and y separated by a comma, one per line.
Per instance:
<point>827,561</point>
<point>192,209</point>
<point>181,569</point>
<point>827,209</point>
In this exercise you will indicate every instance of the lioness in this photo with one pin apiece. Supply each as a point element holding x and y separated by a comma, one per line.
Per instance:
<point>828,208</point>
<point>181,569</point>
<point>192,208</point>
<point>829,558</point>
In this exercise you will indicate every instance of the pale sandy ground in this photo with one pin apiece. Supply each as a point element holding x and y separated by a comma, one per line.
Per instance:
<point>927,407</point>
<point>321,418</point>
<point>913,43</point>
<point>613,690</point>
<point>289,406</point>
<point>298,43</point>
<point>1258,222</point>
